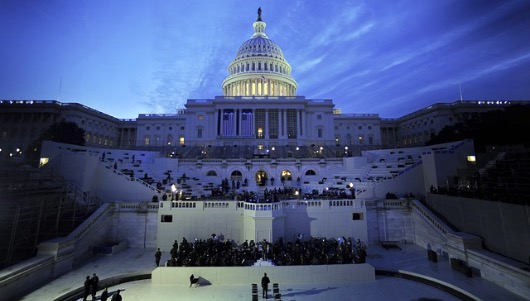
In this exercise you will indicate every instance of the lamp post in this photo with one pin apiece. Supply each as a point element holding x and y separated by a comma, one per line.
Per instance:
<point>352,190</point>
<point>173,189</point>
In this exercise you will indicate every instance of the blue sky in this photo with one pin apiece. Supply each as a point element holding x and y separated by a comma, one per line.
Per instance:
<point>391,57</point>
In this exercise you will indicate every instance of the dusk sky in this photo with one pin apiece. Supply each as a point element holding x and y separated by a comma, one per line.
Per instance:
<point>126,58</point>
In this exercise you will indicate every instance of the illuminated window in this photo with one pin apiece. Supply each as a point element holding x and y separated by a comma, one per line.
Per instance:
<point>200,117</point>
<point>181,140</point>
<point>147,140</point>
<point>360,138</point>
<point>43,161</point>
<point>260,133</point>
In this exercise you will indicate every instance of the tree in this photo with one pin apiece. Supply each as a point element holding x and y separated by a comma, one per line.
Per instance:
<point>63,132</point>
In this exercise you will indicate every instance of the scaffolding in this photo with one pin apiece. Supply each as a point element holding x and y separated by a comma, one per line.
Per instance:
<point>37,205</point>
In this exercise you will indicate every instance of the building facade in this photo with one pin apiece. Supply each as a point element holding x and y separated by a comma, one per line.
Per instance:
<point>259,108</point>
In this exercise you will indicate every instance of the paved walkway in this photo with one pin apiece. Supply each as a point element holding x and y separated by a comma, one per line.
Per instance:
<point>411,258</point>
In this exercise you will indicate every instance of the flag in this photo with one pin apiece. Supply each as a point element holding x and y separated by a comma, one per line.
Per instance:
<point>263,79</point>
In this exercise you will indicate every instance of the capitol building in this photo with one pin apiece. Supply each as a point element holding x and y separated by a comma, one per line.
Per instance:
<point>261,163</point>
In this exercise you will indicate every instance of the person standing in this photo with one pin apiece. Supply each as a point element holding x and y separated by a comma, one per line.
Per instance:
<point>158,255</point>
<point>87,288</point>
<point>265,285</point>
<point>94,285</point>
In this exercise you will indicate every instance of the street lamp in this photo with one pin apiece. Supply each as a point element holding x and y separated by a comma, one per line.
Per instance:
<point>173,189</point>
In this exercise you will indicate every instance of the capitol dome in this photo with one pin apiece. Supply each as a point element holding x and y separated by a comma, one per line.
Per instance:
<point>259,46</point>
<point>259,68</point>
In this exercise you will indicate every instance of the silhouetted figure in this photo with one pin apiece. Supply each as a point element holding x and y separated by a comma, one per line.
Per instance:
<point>116,297</point>
<point>265,285</point>
<point>94,285</point>
<point>87,288</point>
<point>104,295</point>
<point>158,255</point>
<point>194,280</point>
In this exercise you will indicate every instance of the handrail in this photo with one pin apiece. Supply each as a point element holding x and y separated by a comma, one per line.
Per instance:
<point>435,221</point>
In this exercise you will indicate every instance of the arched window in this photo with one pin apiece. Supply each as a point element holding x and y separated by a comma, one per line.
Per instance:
<point>310,172</point>
<point>211,173</point>
<point>236,175</point>
<point>147,140</point>
<point>286,175</point>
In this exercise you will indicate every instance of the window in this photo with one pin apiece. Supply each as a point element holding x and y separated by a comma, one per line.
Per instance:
<point>319,133</point>
<point>181,140</point>
<point>158,128</point>
<point>166,218</point>
<point>357,216</point>
<point>310,173</point>
<point>211,173</point>
<point>360,127</point>
<point>182,128</point>
<point>319,117</point>
<point>147,140</point>
<point>369,127</point>
<point>199,132</point>
<point>200,117</point>
<point>148,128</point>
<point>291,123</point>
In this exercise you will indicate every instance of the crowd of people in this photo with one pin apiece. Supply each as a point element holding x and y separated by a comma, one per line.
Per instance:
<point>216,252</point>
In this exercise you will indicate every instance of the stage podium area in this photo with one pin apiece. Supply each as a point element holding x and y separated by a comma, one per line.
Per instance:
<point>338,273</point>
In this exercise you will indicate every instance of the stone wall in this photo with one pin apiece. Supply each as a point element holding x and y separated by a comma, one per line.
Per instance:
<point>504,227</point>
